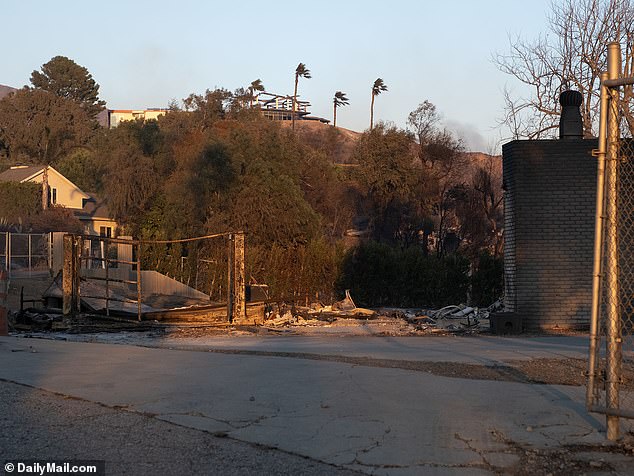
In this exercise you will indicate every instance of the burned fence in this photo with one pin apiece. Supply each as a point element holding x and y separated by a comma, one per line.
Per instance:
<point>153,278</point>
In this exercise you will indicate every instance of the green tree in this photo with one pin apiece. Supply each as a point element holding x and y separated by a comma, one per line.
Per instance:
<point>130,181</point>
<point>82,167</point>
<point>423,121</point>
<point>386,172</point>
<point>18,202</point>
<point>339,100</point>
<point>377,88</point>
<point>379,274</point>
<point>479,210</point>
<point>443,165</point>
<point>208,108</point>
<point>303,72</point>
<point>42,127</point>
<point>243,98</point>
<point>66,79</point>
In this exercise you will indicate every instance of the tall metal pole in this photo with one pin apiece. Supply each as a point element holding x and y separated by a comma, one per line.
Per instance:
<point>592,391</point>
<point>613,351</point>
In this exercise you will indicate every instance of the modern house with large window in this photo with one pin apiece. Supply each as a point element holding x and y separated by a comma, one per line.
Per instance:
<point>280,108</point>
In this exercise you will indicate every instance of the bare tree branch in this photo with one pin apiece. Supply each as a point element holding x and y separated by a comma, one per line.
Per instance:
<point>570,55</point>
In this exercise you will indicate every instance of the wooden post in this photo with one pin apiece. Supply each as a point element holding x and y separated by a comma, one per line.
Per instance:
<point>239,281</point>
<point>30,259</point>
<point>78,247</point>
<point>230,277</point>
<point>7,251</point>
<point>4,291</point>
<point>138,281</point>
<point>70,274</point>
<point>67,275</point>
<point>107,262</point>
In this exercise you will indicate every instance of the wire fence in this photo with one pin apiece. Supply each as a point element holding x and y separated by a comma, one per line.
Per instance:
<point>613,386</point>
<point>25,254</point>
<point>611,360</point>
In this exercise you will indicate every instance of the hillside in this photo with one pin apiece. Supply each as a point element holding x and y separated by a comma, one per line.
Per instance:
<point>5,90</point>
<point>340,144</point>
<point>490,163</point>
<point>337,142</point>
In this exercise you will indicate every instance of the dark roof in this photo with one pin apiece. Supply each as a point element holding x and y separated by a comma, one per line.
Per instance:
<point>19,173</point>
<point>94,207</point>
<point>316,118</point>
<point>6,90</point>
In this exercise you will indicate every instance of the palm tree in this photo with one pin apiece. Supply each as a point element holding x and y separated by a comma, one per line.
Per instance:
<point>255,86</point>
<point>377,88</point>
<point>304,72</point>
<point>339,100</point>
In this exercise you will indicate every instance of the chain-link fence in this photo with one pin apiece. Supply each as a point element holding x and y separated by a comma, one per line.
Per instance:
<point>25,254</point>
<point>613,386</point>
<point>611,361</point>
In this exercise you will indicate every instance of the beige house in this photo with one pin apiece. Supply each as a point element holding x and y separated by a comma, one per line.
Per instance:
<point>116,116</point>
<point>88,208</point>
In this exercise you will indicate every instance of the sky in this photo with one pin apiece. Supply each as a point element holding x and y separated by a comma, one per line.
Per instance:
<point>145,53</point>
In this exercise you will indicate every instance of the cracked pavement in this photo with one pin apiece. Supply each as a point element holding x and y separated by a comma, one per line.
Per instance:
<point>375,420</point>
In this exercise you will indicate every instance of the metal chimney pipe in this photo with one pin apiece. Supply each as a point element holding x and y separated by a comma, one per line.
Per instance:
<point>570,122</point>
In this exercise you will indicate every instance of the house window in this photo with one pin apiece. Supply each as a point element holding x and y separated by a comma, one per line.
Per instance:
<point>54,196</point>
<point>105,231</point>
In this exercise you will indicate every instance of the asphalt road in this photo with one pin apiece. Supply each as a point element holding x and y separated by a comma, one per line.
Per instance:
<point>36,424</point>
<point>147,408</point>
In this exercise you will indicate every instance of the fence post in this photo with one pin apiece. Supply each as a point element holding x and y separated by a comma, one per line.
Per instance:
<point>239,292</point>
<point>67,276</point>
<point>30,244</point>
<point>230,276</point>
<point>592,392</point>
<point>9,253</point>
<point>613,324</point>
<point>77,252</point>
<point>70,274</point>
<point>50,252</point>
<point>4,289</point>
<point>138,281</point>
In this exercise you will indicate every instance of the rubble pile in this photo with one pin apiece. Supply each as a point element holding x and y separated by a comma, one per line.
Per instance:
<point>457,319</point>
<point>343,317</point>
